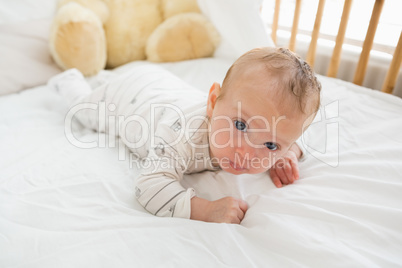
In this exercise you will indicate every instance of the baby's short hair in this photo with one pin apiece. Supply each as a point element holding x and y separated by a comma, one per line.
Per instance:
<point>296,75</point>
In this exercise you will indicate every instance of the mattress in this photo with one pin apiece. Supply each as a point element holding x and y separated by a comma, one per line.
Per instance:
<point>62,205</point>
<point>65,206</point>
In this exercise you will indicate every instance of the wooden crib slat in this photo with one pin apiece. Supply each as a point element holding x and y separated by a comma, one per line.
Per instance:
<point>368,43</point>
<point>336,54</point>
<point>292,43</point>
<point>276,20</point>
<point>393,70</point>
<point>316,31</point>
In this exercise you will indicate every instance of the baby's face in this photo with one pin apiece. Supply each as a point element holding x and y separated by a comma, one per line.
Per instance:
<point>249,128</point>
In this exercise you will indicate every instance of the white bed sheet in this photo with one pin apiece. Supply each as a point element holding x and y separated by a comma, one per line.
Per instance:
<point>62,206</point>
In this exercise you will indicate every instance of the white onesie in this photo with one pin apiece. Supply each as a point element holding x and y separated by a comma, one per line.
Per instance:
<point>160,118</point>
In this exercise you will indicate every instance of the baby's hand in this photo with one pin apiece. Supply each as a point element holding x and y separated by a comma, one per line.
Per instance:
<point>285,170</point>
<point>227,209</point>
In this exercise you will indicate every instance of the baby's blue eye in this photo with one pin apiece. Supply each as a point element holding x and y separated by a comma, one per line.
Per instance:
<point>240,125</point>
<point>272,146</point>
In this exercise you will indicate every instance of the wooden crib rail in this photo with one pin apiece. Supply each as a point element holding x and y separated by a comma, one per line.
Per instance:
<point>368,43</point>
<point>393,71</point>
<point>316,31</point>
<point>336,54</point>
<point>275,20</point>
<point>292,42</point>
<point>361,68</point>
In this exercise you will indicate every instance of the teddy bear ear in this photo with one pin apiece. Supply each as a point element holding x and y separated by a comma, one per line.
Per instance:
<point>182,37</point>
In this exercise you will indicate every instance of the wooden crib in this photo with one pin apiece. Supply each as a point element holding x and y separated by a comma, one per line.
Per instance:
<point>391,77</point>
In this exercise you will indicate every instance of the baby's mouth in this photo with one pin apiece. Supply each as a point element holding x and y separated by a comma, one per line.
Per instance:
<point>236,167</point>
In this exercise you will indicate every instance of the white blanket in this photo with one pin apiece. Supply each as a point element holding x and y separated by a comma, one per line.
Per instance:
<point>62,206</point>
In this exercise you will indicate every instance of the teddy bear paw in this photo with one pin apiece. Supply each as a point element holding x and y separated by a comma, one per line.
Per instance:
<point>182,37</point>
<point>78,39</point>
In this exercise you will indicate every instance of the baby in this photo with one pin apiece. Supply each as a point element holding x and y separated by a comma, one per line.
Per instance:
<point>250,124</point>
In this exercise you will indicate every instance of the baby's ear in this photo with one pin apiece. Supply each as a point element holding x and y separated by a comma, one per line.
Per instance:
<point>212,97</point>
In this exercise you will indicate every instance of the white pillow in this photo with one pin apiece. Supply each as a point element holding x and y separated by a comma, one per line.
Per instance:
<point>240,24</point>
<point>25,59</point>
<point>26,10</point>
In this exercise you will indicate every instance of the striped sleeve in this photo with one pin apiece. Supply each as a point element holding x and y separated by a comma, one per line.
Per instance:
<point>158,187</point>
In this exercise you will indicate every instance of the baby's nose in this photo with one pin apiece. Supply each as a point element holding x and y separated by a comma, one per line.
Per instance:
<point>245,152</point>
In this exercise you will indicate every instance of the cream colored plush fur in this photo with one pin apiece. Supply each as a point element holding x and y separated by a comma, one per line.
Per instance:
<point>93,34</point>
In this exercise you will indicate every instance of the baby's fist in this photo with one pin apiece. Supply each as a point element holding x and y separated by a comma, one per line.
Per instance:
<point>227,209</point>
<point>285,170</point>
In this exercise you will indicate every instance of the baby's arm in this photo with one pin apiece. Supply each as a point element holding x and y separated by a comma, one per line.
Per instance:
<point>163,195</point>
<point>159,191</point>
<point>158,187</point>
<point>286,169</point>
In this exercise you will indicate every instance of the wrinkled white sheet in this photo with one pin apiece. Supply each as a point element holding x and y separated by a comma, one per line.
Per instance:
<point>62,206</point>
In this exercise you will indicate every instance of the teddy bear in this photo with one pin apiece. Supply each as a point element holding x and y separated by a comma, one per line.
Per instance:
<point>91,35</point>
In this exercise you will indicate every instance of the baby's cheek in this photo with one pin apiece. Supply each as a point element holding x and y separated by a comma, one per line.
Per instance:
<point>221,139</point>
